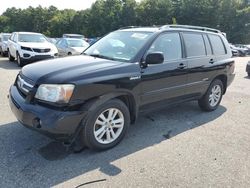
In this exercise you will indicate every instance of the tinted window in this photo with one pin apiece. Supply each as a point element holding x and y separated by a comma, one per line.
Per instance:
<point>208,46</point>
<point>169,44</point>
<point>194,44</point>
<point>218,46</point>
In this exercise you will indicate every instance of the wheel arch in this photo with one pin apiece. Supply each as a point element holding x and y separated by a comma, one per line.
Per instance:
<point>223,79</point>
<point>127,98</point>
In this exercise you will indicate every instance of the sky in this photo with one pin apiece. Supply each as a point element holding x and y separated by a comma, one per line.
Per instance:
<point>60,4</point>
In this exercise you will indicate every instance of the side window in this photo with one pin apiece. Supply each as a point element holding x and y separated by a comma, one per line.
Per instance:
<point>194,44</point>
<point>64,43</point>
<point>169,44</point>
<point>217,44</point>
<point>208,46</point>
<point>59,43</point>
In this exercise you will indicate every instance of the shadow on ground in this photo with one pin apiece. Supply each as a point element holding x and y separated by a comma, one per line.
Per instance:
<point>8,65</point>
<point>29,159</point>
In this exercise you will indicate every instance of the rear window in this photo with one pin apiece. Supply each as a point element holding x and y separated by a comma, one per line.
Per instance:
<point>194,44</point>
<point>217,45</point>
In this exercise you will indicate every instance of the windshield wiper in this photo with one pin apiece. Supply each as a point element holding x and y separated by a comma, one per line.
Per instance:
<point>100,56</point>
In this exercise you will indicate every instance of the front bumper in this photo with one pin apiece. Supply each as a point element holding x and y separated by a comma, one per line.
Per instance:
<point>37,58</point>
<point>58,125</point>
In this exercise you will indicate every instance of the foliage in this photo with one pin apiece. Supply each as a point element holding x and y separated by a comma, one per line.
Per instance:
<point>230,16</point>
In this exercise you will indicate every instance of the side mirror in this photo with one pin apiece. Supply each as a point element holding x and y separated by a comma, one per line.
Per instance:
<point>154,58</point>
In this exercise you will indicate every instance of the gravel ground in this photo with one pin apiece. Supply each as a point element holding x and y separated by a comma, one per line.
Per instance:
<point>177,147</point>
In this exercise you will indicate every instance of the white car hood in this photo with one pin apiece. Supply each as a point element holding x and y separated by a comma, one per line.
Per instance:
<point>37,45</point>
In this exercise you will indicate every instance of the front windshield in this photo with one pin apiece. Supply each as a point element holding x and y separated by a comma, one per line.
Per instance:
<point>6,37</point>
<point>31,38</point>
<point>77,43</point>
<point>119,45</point>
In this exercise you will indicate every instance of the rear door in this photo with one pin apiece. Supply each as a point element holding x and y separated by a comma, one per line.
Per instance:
<point>200,62</point>
<point>167,80</point>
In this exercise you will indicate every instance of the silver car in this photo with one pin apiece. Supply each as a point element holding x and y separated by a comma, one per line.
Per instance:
<point>3,43</point>
<point>71,46</point>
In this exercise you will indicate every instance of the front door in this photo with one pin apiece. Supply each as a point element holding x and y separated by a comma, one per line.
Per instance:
<point>167,80</point>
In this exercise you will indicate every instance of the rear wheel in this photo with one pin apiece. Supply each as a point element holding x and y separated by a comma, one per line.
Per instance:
<point>69,53</point>
<point>211,100</point>
<point>11,58</point>
<point>106,126</point>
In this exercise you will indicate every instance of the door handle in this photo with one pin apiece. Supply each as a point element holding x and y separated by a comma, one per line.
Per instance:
<point>181,66</point>
<point>211,61</point>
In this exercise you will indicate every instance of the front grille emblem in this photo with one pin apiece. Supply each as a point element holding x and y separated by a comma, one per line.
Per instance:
<point>23,85</point>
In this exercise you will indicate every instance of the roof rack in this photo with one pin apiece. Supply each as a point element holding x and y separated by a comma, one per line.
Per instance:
<point>191,27</point>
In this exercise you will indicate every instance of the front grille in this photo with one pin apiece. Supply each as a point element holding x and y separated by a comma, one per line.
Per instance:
<point>41,50</point>
<point>23,85</point>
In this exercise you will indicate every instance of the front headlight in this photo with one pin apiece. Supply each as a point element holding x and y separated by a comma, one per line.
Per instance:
<point>55,93</point>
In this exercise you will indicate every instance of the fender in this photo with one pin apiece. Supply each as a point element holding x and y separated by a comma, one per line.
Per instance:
<point>132,103</point>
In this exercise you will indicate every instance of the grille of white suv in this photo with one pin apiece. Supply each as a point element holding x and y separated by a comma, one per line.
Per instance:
<point>41,50</point>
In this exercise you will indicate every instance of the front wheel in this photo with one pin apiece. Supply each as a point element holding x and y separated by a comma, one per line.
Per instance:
<point>19,60</point>
<point>211,100</point>
<point>106,126</point>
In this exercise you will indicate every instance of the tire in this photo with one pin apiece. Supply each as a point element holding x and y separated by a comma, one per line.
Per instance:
<point>20,62</point>
<point>211,100</point>
<point>100,131</point>
<point>11,58</point>
<point>69,53</point>
<point>242,54</point>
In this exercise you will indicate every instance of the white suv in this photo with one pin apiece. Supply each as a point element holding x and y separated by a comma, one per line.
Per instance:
<point>28,47</point>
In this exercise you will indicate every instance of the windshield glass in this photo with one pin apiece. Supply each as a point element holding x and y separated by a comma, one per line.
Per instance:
<point>77,43</point>
<point>6,37</point>
<point>119,45</point>
<point>31,38</point>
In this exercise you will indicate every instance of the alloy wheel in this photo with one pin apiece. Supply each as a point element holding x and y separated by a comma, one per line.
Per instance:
<point>108,126</point>
<point>215,95</point>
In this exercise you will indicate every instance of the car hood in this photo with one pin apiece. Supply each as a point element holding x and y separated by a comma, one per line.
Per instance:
<point>67,69</point>
<point>37,45</point>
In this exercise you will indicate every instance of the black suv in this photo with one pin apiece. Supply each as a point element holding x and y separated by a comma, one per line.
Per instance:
<point>92,99</point>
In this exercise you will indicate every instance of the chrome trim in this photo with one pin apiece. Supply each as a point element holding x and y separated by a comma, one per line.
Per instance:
<point>21,83</point>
